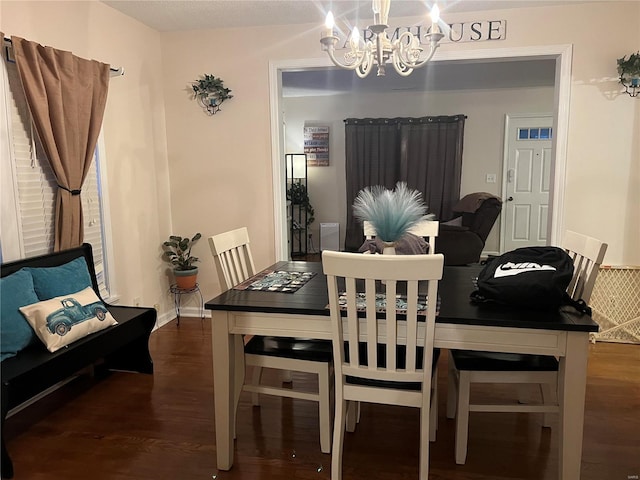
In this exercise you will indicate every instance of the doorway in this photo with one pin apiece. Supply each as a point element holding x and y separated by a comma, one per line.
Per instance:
<point>560,54</point>
<point>526,181</point>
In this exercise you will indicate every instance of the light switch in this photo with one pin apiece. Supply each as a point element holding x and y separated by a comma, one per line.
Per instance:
<point>491,178</point>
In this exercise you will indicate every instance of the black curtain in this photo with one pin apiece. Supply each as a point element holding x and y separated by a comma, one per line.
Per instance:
<point>425,152</point>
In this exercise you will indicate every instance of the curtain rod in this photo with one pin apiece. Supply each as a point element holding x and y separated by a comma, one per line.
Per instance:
<point>114,71</point>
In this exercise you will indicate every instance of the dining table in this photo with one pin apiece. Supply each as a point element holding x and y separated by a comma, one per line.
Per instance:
<point>460,324</point>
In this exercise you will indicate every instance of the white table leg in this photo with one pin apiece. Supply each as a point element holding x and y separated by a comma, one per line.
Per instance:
<point>238,378</point>
<point>572,384</point>
<point>223,387</point>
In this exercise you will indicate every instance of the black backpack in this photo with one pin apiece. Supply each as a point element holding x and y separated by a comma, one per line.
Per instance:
<point>532,277</point>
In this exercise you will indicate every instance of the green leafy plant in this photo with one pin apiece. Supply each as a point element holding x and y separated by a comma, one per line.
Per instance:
<point>211,92</point>
<point>391,212</point>
<point>177,251</point>
<point>629,67</point>
<point>299,195</point>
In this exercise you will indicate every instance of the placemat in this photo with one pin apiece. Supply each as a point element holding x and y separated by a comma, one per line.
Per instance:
<point>276,281</point>
<point>381,303</point>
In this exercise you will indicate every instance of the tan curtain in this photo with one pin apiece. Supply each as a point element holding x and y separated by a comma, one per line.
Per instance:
<point>66,96</point>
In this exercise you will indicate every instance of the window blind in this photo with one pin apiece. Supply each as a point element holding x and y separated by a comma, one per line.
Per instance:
<point>34,178</point>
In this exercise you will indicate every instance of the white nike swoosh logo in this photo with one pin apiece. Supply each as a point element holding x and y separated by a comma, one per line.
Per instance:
<point>511,269</point>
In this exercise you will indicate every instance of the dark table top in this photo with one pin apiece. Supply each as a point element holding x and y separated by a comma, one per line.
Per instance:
<point>455,308</point>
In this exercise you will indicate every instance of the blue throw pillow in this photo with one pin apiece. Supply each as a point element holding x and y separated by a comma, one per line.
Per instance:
<point>16,290</point>
<point>70,277</point>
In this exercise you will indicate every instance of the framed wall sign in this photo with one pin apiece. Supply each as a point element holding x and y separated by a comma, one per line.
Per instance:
<point>316,146</point>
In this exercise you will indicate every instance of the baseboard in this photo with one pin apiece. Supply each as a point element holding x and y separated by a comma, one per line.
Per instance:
<point>164,318</point>
<point>193,312</point>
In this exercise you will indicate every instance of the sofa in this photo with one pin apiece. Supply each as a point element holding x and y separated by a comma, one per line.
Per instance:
<point>462,239</point>
<point>65,328</point>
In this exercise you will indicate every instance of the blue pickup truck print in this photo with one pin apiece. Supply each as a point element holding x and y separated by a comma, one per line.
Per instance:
<point>72,313</point>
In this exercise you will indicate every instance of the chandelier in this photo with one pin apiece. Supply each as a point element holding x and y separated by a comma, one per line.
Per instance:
<point>404,53</point>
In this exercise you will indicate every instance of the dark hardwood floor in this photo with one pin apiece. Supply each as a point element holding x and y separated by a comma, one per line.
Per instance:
<point>133,426</point>
<point>310,257</point>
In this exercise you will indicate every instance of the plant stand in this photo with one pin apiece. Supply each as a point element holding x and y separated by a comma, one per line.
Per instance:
<point>177,298</point>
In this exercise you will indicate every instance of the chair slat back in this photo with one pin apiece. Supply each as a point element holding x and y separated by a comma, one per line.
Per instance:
<point>424,228</point>
<point>587,254</point>
<point>232,257</point>
<point>362,274</point>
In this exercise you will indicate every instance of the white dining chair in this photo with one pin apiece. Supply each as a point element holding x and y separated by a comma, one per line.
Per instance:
<point>388,356</point>
<point>424,228</point>
<point>232,256</point>
<point>468,367</point>
<point>427,229</point>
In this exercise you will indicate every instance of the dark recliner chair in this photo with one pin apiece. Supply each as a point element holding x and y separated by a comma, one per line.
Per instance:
<point>461,240</point>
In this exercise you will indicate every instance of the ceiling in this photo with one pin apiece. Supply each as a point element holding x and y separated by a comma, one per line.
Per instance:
<point>180,15</point>
<point>176,15</point>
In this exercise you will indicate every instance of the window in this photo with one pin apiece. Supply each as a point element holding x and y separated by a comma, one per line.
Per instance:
<point>29,186</point>
<point>542,133</point>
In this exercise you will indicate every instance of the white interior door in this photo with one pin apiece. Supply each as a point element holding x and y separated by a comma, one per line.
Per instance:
<point>526,180</point>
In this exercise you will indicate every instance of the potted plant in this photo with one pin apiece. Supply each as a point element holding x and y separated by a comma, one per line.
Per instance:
<point>391,212</point>
<point>299,195</point>
<point>177,251</point>
<point>629,71</point>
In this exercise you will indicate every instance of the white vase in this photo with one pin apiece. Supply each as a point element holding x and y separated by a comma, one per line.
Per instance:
<point>389,248</point>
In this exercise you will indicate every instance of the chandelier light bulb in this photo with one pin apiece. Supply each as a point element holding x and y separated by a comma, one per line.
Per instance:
<point>435,14</point>
<point>435,18</point>
<point>354,41</point>
<point>329,22</point>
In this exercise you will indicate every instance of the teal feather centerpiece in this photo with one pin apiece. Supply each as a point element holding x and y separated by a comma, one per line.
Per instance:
<point>391,212</point>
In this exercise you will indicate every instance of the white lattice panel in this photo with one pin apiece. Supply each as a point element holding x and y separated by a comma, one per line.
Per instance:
<point>616,304</point>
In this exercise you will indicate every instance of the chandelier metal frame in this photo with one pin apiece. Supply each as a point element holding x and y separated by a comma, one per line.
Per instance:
<point>404,53</point>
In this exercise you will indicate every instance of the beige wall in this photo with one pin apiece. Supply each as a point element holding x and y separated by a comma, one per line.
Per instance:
<point>483,145</point>
<point>134,129</point>
<point>220,166</point>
